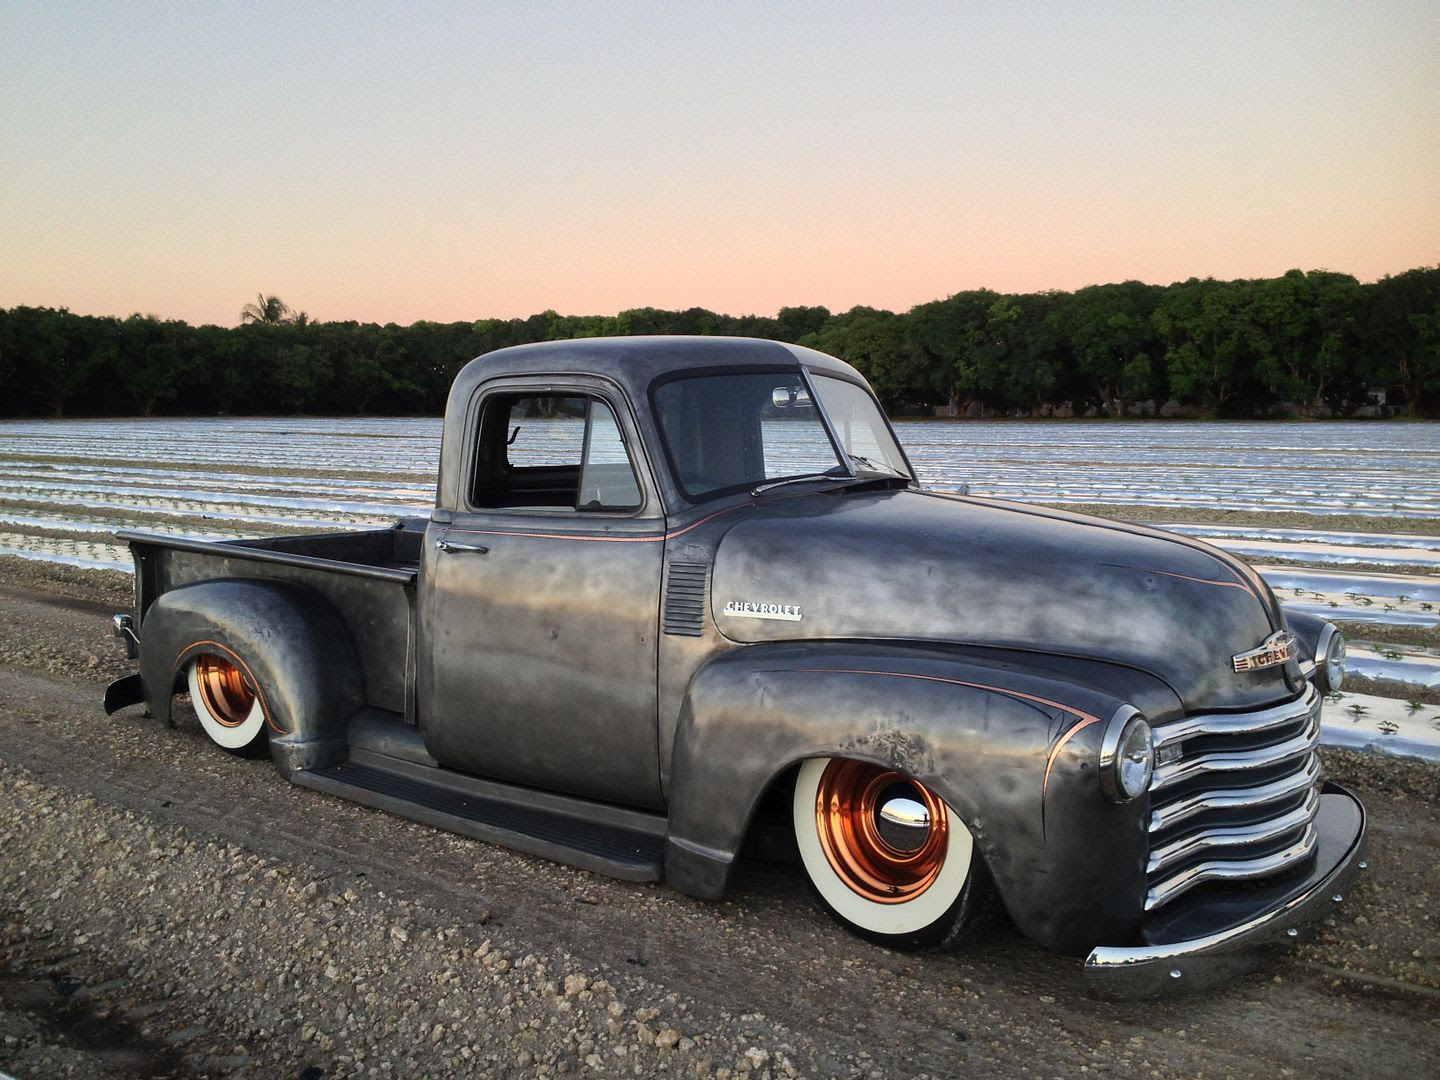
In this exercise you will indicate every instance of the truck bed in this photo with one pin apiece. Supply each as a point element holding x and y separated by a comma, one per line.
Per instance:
<point>396,548</point>
<point>368,576</point>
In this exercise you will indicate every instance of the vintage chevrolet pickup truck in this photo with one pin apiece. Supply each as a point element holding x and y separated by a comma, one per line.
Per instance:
<point>678,595</point>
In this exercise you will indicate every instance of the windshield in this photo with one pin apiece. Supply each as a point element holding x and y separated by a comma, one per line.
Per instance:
<point>859,425</point>
<point>730,432</point>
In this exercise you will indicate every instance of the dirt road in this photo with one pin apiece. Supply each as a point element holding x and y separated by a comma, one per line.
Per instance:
<point>170,910</point>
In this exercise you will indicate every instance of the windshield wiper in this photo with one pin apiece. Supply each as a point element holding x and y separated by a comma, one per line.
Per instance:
<point>879,466</point>
<point>832,474</point>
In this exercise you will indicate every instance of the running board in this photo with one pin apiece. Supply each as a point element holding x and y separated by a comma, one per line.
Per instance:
<point>609,840</point>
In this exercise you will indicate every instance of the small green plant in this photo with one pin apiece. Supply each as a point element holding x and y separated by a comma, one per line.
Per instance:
<point>1392,654</point>
<point>1334,603</point>
<point>1388,727</point>
<point>1403,598</point>
<point>1335,697</point>
<point>1364,601</point>
<point>1358,710</point>
<point>1414,706</point>
<point>1427,607</point>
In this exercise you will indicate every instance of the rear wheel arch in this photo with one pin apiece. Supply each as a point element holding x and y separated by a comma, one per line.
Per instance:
<point>284,644</point>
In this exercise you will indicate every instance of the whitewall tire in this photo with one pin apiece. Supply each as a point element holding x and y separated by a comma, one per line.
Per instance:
<point>227,703</point>
<point>887,856</point>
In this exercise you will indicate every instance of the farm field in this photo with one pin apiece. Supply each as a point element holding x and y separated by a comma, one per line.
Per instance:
<point>1342,519</point>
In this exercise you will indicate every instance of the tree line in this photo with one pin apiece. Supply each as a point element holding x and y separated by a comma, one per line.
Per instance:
<point>1310,343</point>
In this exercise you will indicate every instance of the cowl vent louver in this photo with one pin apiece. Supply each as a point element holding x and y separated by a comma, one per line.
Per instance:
<point>685,599</point>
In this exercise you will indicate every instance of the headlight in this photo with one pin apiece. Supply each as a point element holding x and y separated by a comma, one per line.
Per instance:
<point>1127,756</point>
<point>1330,659</point>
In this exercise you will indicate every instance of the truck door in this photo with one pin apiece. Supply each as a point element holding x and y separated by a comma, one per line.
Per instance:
<point>539,599</point>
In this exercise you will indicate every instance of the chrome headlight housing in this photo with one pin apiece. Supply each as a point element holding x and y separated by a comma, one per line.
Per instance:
<point>1330,659</point>
<point>1127,755</point>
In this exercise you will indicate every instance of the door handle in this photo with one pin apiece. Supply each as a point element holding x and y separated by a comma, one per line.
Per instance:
<point>455,545</point>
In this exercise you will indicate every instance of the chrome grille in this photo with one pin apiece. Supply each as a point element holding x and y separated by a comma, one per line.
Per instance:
<point>1235,798</point>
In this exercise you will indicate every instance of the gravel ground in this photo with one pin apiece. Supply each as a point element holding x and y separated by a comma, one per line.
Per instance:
<point>303,976</point>
<point>171,911</point>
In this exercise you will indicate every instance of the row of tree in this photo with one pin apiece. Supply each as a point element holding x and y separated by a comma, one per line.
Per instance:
<point>1312,343</point>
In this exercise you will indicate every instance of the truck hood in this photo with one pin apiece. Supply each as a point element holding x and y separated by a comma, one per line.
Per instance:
<point>918,566</point>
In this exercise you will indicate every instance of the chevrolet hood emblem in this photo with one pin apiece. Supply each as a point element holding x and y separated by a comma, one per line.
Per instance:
<point>1277,649</point>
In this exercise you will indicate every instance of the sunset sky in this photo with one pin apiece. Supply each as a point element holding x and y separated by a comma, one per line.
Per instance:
<point>453,162</point>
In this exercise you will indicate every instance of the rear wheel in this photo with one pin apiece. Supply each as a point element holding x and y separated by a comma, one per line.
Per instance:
<point>228,704</point>
<point>888,857</point>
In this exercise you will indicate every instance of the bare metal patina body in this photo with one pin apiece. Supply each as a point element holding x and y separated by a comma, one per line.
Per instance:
<point>703,632</point>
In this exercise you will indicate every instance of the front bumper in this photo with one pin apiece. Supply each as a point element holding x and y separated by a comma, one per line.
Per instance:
<point>1241,944</point>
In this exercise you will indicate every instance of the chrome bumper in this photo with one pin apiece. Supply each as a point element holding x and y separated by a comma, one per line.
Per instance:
<point>1179,967</point>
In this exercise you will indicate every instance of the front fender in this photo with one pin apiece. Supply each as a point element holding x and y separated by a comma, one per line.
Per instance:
<point>296,645</point>
<point>1013,752</point>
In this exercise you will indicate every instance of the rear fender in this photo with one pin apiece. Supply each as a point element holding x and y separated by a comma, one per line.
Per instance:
<point>1014,754</point>
<point>295,647</point>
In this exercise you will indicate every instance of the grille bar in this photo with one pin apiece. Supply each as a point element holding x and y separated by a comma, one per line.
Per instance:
<point>1301,745</point>
<point>1245,798</point>
<point>1237,723</point>
<point>1232,870</point>
<point>1207,840</point>
<point>1237,799</point>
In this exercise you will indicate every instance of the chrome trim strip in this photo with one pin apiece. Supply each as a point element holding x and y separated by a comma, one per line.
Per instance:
<point>1237,761</point>
<point>1238,723</point>
<point>1234,798</point>
<point>1234,835</point>
<point>1232,870</point>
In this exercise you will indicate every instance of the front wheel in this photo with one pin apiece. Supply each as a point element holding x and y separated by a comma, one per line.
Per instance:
<point>227,703</point>
<point>886,854</point>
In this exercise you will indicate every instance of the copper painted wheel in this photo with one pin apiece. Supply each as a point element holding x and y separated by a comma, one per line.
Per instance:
<point>226,702</point>
<point>865,840</point>
<point>223,690</point>
<point>886,854</point>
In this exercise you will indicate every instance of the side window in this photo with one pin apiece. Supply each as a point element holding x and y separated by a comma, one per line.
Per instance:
<point>551,452</point>
<point>607,482</point>
<point>545,432</point>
